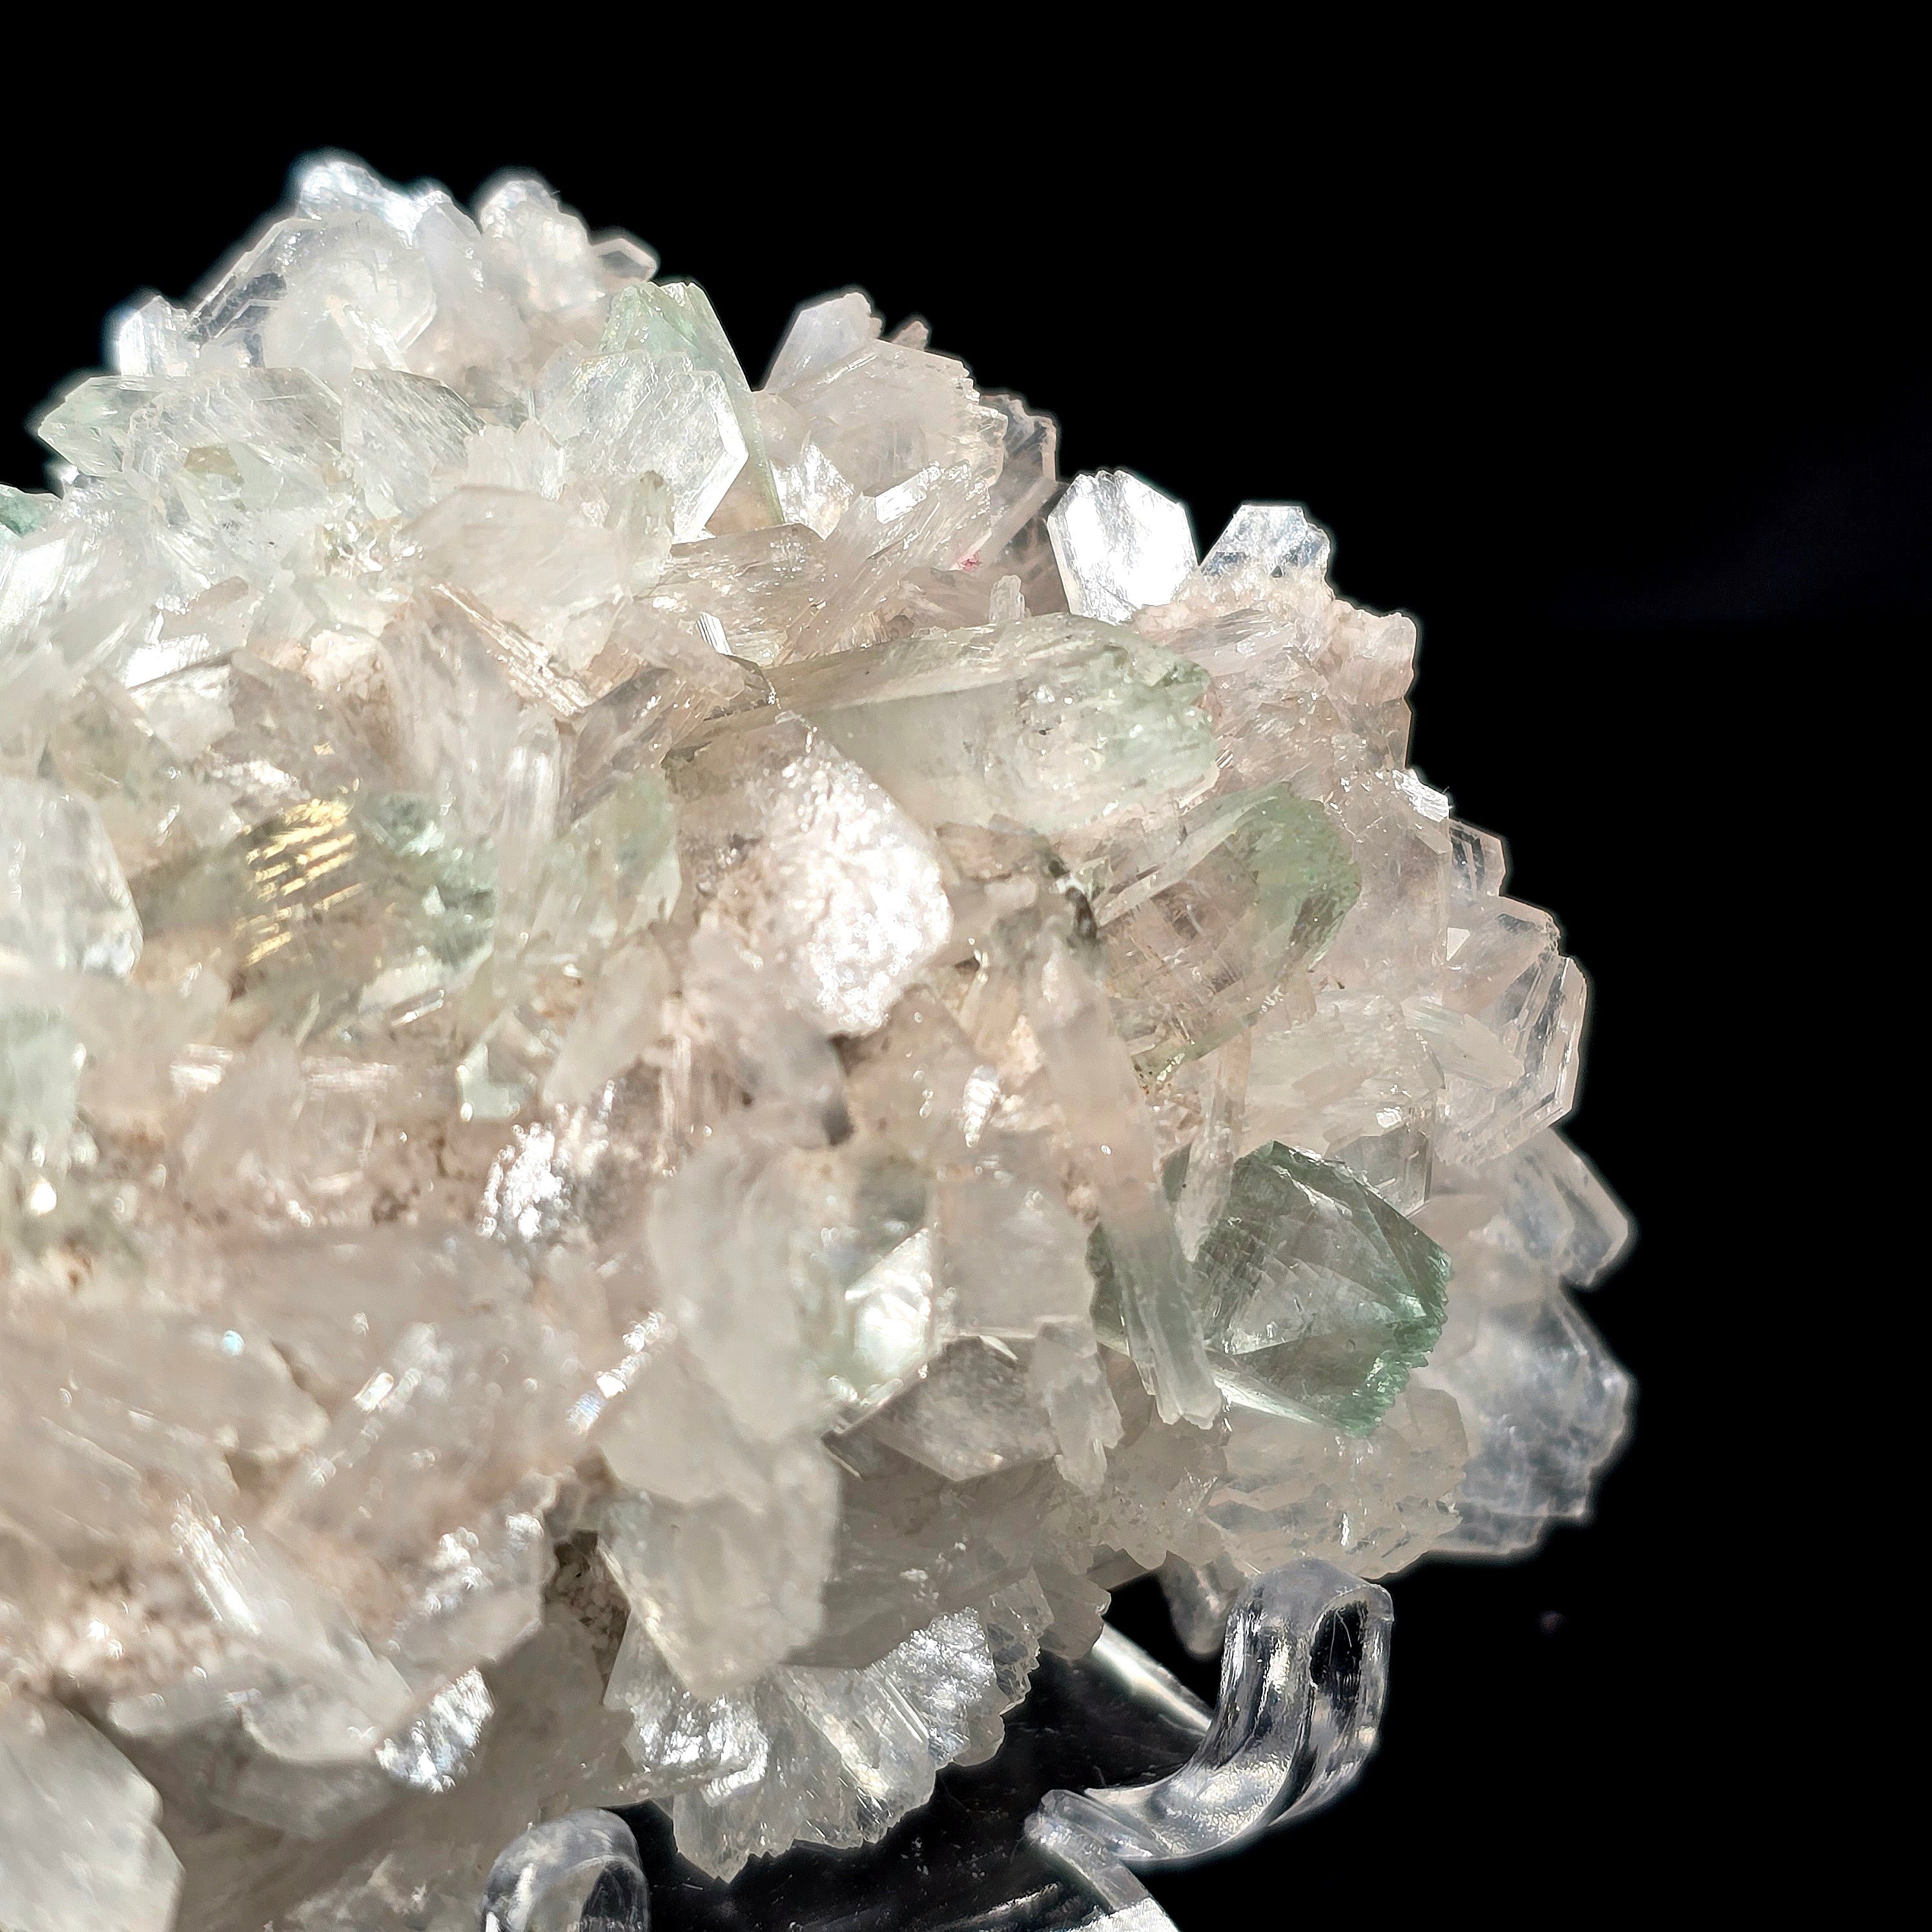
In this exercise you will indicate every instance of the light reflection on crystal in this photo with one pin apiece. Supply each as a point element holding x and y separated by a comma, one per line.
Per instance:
<point>593,961</point>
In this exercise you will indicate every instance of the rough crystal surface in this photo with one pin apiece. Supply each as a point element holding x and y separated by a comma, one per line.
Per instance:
<point>819,1755</point>
<point>1055,723</point>
<point>64,903</point>
<point>78,1824</point>
<point>1122,546</point>
<point>680,1064</point>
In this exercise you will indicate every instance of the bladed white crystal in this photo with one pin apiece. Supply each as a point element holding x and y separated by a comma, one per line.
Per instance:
<point>679,1066</point>
<point>78,1823</point>
<point>1276,538</point>
<point>65,907</point>
<point>1121,545</point>
<point>859,1748</point>
<point>1052,722</point>
<point>797,852</point>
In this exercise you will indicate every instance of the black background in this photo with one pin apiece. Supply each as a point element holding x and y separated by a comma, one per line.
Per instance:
<point>1626,405</point>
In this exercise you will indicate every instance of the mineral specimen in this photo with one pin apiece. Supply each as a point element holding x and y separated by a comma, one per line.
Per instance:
<point>679,1065</point>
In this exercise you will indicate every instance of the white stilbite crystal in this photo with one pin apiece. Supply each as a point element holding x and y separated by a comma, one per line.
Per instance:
<point>726,1583</point>
<point>822,333</point>
<point>1375,1502</point>
<point>1549,1407</point>
<point>820,1756</point>
<point>64,903</point>
<point>803,859</point>
<point>680,1065</point>
<point>1277,538</point>
<point>78,1825</point>
<point>1546,1404</point>
<point>1122,546</point>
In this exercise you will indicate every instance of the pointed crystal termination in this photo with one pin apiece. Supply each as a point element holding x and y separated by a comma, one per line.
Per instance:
<point>687,1063</point>
<point>1315,1298</point>
<point>1562,1211</point>
<point>1052,722</point>
<point>63,905</point>
<point>1121,545</point>
<point>1279,539</point>
<point>663,318</point>
<point>1200,938</point>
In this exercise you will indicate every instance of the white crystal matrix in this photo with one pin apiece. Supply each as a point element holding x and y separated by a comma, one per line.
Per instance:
<point>679,1064</point>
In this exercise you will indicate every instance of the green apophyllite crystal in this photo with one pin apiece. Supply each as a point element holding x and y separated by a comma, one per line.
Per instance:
<point>612,874</point>
<point>659,319</point>
<point>1316,1297</point>
<point>23,511</point>
<point>353,903</point>
<point>1055,722</point>
<point>1200,937</point>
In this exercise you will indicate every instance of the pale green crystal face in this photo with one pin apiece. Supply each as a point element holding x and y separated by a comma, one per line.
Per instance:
<point>337,905</point>
<point>603,975</point>
<point>1053,722</point>
<point>22,511</point>
<point>1316,1297</point>
<point>1200,939</point>
<point>64,901</point>
<point>613,873</point>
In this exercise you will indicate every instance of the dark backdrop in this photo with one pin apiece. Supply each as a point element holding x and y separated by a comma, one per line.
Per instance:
<point>1640,434</point>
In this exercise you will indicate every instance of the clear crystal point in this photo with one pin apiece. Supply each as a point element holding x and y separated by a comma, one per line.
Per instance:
<point>680,1065</point>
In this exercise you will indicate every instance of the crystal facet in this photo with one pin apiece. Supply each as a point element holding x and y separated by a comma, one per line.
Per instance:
<point>681,1064</point>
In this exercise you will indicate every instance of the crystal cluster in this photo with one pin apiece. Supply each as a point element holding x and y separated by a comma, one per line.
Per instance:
<point>679,1064</point>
